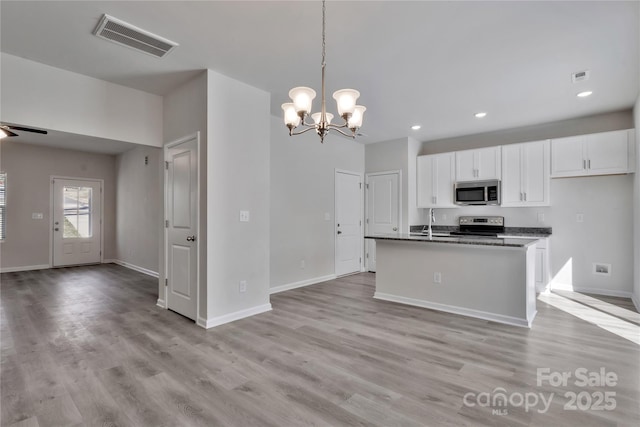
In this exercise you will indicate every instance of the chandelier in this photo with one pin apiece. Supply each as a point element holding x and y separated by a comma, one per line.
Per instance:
<point>297,112</point>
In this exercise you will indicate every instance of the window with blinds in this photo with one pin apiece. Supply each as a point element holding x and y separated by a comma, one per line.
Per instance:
<point>3,205</point>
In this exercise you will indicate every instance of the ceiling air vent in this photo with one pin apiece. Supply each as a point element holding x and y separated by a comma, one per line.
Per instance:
<point>580,76</point>
<point>125,34</point>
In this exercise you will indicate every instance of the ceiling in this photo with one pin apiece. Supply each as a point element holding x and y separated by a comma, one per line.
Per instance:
<point>71,141</point>
<point>414,62</point>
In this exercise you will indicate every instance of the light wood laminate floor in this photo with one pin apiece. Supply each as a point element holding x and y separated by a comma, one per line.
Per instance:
<point>87,346</point>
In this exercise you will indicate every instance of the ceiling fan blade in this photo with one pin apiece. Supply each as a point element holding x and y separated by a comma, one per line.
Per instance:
<point>20,128</point>
<point>5,132</point>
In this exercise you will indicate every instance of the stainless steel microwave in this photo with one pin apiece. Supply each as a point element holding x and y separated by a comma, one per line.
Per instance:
<point>477,192</point>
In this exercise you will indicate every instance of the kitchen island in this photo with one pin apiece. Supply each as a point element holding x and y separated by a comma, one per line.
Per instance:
<point>488,278</point>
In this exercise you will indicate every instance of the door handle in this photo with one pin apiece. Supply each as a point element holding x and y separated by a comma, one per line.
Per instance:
<point>191,238</point>
<point>339,232</point>
<point>395,228</point>
<point>56,229</point>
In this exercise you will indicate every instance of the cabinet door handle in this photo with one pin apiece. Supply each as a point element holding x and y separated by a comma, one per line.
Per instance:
<point>433,199</point>
<point>525,196</point>
<point>584,164</point>
<point>589,164</point>
<point>520,196</point>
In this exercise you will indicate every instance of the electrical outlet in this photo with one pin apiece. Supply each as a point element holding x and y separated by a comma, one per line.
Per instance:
<point>244,216</point>
<point>327,216</point>
<point>579,217</point>
<point>242,287</point>
<point>302,264</point>
<point>540,217</point>
<point>36,215</point>
<point>437,277</point>
<point>445,217</point>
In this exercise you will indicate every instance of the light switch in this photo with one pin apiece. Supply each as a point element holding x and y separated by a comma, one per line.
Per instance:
<point>37,215</point>
<point>244,216</point>
<point>579,217</point>
<point>327,216</point>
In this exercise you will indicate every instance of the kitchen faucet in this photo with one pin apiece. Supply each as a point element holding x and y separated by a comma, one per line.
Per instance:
<point>432,218</point>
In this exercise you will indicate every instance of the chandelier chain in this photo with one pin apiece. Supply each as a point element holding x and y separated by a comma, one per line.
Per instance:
<point>323,33</point>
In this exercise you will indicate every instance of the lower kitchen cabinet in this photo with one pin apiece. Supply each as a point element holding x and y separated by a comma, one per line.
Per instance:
<point>542,264</point>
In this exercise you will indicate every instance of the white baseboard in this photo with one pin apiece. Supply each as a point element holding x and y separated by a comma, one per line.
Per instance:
<point>136,268</point>
<point>161,303</point>
<point>500,318</point>
<point>301,283</point>
<point>24,268</point>
<point>636,302</point>
<point>227,318</point>
<point>596,291</point>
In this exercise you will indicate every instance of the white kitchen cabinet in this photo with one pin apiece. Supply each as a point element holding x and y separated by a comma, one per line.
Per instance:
<point>480,164</point>
<point>603,153</point>
<point>525,174</point>
<point>542,265</point>
<point>435,175</point>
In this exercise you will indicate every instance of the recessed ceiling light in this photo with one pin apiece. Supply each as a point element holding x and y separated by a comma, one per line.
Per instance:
<point>585,94</point>
<point>416,127</point>
<point>480,115</point>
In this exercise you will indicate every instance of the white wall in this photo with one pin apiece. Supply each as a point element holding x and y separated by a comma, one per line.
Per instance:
<point>414,215</point>
<point>302,191</point>
<point>29,169</point>
<point>578,126</point>
<point>636,209</point>
<point>38,95</point>
<point>237,179</point>
<point>185,113</point>
<point>139,207</point>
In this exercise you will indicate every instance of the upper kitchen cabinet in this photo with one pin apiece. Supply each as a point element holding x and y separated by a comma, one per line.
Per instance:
<point>480,164</point>
<point>435,174</point>
<point>603,153</point>
<point>525,174</point>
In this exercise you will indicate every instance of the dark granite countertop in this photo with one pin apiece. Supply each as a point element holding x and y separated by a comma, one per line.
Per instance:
<point>458,240</point>
<point>533,232</point>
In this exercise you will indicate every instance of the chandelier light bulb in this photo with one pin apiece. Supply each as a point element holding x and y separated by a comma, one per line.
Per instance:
<point>302,98</point>
<point>317,116</point>
<point>355,122</point>
<point>291,118</point>
<point>346,100</point>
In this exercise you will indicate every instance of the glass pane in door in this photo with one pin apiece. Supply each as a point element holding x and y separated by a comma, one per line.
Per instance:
<point>77,212</point>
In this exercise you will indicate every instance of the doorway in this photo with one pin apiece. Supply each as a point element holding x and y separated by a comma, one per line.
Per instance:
<point>384,209</point>
<point>76,221</point>
<point>348,216</point>
<point>181,226</point>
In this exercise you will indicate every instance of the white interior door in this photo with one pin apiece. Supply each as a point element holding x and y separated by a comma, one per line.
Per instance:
<point>181,224</point>
<point>383,209</point>
<point>77,222</point>
<point>348,194</point>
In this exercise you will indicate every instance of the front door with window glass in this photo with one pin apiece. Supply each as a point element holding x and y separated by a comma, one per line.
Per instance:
<point>76,222</point>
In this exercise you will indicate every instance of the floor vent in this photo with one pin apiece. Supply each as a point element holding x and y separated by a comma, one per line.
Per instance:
<point>125,34</point>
